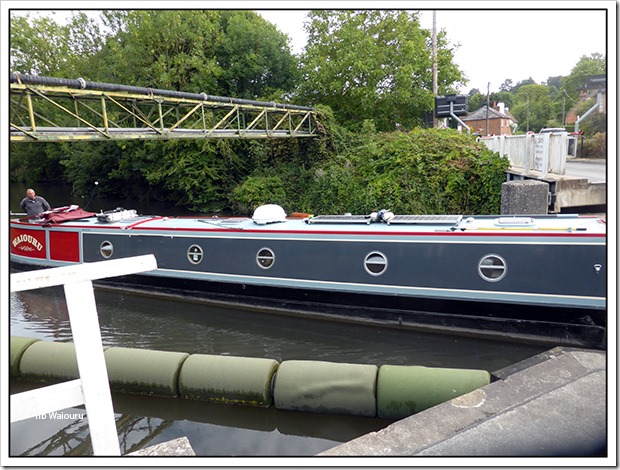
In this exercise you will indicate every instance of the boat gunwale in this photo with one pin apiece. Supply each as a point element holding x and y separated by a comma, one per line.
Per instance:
<point>472,232</point>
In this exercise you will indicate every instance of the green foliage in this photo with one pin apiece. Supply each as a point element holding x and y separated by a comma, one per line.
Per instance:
<point>532,107</point>
<point>198,175</point>
<point>33,162</point>
<point>258,190</point>
<point>594,64</point>
<point>423,171</point>
<point>372,64</point>
<point>594,147</point>
<point>254,57</point>
<point>85,163</point>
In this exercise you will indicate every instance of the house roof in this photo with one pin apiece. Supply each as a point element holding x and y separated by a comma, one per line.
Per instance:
<point>481,114</point>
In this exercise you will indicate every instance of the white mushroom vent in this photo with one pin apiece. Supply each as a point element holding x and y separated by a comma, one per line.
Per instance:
<point>268,214</point>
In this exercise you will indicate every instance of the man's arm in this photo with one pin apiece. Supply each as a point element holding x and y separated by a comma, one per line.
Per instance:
<point>46,204</point>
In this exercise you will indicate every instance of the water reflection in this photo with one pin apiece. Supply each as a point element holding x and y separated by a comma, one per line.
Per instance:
<point>212,429</point>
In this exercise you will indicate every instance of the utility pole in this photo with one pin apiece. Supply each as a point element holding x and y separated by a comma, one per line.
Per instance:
<point>527,114</point>
<point>488,85</point>
<point>434,53</point>
<point>564,108</point>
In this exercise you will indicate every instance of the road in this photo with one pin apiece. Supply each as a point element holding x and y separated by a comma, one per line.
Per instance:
<point>594,170</point>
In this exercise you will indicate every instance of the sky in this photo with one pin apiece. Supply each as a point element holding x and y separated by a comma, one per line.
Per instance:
<point>495,45</point>
<point>516,40</point>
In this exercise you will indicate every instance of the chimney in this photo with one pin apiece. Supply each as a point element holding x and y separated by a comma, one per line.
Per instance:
<point>501,107</point>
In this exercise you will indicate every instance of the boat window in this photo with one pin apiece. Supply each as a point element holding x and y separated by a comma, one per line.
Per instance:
<point>106,249</point>
<point>194,254</point>
<point>492,268</point>
<point>265,258</point>
<point>375,263</point>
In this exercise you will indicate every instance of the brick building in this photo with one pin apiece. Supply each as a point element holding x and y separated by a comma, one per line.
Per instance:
<point>501,122</point>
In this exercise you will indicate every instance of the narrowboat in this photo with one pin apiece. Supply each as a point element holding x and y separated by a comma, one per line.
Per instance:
<point>539,278</point>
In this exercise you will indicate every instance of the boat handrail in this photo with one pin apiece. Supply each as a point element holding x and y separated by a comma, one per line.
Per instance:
<point>402,219</point>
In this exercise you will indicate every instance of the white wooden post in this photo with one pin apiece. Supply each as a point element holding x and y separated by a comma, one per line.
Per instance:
<point>92,388</point>
<point>91,365</point>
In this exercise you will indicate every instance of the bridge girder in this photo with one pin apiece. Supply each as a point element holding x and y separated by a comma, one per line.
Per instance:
<point>56,110</point>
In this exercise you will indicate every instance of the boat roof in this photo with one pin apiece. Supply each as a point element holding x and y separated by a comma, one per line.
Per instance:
<point>553,223</point>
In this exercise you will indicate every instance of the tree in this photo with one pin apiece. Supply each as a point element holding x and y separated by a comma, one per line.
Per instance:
<point>231,53</point>
<point>476,101</point>
<point>255,58</point>
<point>532,107</point>
<point>506,86</point>
<point>373,64</point>
<point>169,49</point>
<point>528,81</point>
<point>594,64</point>
<point>502,97</point>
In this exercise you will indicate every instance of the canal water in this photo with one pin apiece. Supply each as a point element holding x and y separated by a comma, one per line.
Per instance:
<point>224,430</point>
<point>142,321</point>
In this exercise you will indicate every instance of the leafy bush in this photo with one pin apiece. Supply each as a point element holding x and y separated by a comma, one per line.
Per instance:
<point>258,190</point>
<point>595,147</point>
<point>420,172</point>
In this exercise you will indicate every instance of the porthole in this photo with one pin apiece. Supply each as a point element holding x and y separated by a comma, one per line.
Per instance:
<point>194,254</point>
<point>265,258</point>
<point>375,263</point>
<point>106,249</point>
<point>492,268</point>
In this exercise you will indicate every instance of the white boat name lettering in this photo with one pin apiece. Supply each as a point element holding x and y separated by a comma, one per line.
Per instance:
<point>27,239</point>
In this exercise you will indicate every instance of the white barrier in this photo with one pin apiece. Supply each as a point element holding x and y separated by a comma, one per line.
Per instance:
<point>545,153</point>
<point>92,388</point>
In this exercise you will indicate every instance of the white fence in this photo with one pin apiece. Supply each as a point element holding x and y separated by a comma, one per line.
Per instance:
<point>92,388</point>
<point>544,153</point>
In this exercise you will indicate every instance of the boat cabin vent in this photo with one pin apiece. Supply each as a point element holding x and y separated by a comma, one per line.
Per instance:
<point>515,221</point>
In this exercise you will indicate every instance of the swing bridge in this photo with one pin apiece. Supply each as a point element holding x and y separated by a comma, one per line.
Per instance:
<point>45,109</point>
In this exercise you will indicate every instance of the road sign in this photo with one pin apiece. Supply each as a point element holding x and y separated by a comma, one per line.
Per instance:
<point>442,105</point>
<point>596,82</point>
